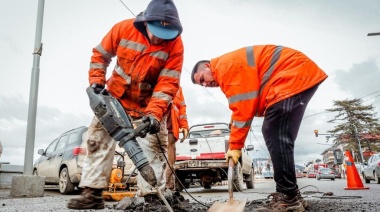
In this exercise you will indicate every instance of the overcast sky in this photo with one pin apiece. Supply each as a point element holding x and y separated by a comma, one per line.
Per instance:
<point>332,33</point>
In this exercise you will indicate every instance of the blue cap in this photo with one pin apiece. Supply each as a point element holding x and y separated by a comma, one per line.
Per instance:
<point>162,29</point>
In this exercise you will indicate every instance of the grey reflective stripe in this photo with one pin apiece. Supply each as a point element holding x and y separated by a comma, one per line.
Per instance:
<point>242,124</point>
<point>242,97</point>
<point>121,72</point>
<point>183,103</point>
<point>170,73</point>
<point>98,65</point>
<point>175,108</point>
<point>250,56</point>
<point>274,59</point>
<point>163,96</point>
<point>104,53</point>
<point>132,45</point>
<point>160,54</point>
<point>183,116</point>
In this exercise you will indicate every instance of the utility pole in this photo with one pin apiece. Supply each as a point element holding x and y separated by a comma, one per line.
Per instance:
<point>360,146</point>
<point>33,93</point>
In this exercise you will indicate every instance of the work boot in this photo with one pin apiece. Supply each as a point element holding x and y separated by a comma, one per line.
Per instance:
<point>282,202</point>
<point>302,200</point>
<point>90,199</point>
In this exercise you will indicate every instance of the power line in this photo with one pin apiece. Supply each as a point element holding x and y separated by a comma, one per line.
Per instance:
<point>127,8</point>
<point>359,98</point>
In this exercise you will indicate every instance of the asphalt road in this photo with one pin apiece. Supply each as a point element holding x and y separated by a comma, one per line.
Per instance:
<point>312,189</point>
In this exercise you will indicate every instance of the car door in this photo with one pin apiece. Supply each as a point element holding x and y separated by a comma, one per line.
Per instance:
<point>43,167</point>
<point>56,158</point>
<point>367,168</point>
<point>372,164</point>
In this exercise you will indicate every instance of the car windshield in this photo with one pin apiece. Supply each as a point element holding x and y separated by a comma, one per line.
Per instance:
<point>325,170</point>
<point>208,133</point>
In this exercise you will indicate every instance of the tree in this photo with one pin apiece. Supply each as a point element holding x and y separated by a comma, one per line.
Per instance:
<point>352,113</point>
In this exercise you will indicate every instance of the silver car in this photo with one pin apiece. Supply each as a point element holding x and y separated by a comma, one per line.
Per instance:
<point>325,173</point>
<point>371,170</point>
<point>62,161</point>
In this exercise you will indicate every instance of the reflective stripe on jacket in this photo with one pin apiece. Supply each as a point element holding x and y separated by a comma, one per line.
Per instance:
<point>178,114</point>
<point>255,77</point>
<point>146,77</point>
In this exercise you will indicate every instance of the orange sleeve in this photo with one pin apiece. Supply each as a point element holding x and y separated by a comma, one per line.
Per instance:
<point>241,86</point>
<point>103,54</point>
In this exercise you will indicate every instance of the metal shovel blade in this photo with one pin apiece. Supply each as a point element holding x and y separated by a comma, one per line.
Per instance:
<point>231,205</point>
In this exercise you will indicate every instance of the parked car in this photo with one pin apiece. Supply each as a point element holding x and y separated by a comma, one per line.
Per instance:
<point>337,174</point>
<point>299,173</point>
<point>325,173</point>
<point>311,174</point>
<point>371,170</point>
<point>267,173</point>
<point>62,161</point>
<point>201,158</point>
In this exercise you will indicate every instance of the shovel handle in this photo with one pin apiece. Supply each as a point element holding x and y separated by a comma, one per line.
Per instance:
<point>231,166</point>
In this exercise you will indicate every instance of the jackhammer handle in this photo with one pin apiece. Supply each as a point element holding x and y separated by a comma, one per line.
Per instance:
<point>137,131</point>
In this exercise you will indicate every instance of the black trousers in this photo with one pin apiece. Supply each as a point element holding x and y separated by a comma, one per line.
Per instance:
<point>280,129</point>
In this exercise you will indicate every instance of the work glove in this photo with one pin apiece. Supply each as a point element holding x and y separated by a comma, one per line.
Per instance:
<point>185,133</point>
<point>98,88</point>
<point>234,155</point>
<point>154,124</point>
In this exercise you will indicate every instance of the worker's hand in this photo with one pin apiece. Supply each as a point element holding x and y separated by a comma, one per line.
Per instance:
<point>154,124</point>
<point>230,124</point>
<point>234,155</point>
<point>97,87</point>
<point>185,133</point>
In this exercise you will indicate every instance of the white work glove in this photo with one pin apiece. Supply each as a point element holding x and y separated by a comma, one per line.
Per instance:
<point>185,133</point>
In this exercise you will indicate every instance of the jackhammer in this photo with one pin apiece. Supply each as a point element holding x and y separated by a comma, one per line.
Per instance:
<point>119,126</point>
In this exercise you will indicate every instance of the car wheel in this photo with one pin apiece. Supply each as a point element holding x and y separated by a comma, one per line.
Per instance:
<point>179,185</point>
<point>65,185</point>
<point>377,178</point>
<point>206,185</point>
<point>238,178</point>
<point>35,173</point>
<point>366,179</point>
<point>250,180</point>
<point>333,179</point>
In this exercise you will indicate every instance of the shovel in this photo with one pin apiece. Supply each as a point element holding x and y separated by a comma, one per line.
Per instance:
<point>231,205</point>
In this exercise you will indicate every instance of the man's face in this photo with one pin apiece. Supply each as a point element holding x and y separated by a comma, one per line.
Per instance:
<point>204,77</point>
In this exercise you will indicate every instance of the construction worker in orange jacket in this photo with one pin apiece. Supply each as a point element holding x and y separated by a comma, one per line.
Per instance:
<point>145,79</point>
<point>177,123</point>
<point>270,81</point>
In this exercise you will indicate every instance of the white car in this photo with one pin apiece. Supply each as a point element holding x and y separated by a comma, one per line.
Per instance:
<point>371,170</point>
<point>202,158</point>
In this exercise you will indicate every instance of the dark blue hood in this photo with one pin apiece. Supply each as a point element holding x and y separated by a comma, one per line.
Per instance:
<point>159,10</point>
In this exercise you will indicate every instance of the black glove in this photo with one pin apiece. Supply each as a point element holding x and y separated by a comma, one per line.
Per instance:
<point>98,88</point>
<point>154,124</point>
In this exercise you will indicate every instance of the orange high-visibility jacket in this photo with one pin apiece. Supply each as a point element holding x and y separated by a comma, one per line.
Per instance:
<point>255,77</point>
<point>146,77</point>
<point>178,114</point>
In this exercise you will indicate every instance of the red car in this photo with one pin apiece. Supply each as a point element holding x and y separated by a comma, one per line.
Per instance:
<point>311,175</point>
